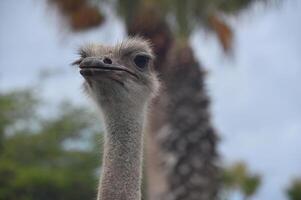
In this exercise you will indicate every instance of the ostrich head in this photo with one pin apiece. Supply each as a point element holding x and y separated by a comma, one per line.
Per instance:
<point>121,73</point>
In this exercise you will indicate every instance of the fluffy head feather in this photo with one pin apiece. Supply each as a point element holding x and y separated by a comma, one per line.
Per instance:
<point>127,76</point>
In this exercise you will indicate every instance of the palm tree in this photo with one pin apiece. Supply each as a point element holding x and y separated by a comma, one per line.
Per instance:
<point>182,156</point>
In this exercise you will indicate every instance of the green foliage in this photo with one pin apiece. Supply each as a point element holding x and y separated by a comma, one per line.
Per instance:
<point>294,190</point>
<point>37,159</point>
<point>250,185</point>
<point>16,106</point>
<point>237,177</point>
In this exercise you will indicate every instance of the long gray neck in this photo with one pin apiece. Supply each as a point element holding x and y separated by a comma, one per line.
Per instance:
<point>122,160</point>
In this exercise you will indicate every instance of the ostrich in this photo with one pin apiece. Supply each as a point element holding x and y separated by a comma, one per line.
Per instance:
<point>121,81</point>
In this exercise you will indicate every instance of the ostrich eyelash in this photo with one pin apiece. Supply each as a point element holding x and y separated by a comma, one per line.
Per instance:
<point>83,54</point>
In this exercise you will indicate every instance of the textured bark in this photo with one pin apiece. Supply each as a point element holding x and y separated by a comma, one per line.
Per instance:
<point>181,142</point>
<point>187,139</point>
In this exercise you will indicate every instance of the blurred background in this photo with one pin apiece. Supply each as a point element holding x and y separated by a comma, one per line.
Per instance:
<point>235,64</point>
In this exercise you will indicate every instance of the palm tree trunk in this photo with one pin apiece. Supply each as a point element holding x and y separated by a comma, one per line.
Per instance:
<point>187,139</point>
<point>181,143</point>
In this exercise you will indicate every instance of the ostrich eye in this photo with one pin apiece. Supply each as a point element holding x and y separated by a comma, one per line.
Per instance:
<point>141,61</point>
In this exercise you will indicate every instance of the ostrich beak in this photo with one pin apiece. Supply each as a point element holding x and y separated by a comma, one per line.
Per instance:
<point>92,66</point>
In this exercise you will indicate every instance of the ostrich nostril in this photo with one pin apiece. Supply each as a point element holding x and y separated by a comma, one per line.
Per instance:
<point>107,60</point>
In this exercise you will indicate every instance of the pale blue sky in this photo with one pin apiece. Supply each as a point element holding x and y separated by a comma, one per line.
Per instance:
<point>256,95</point>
